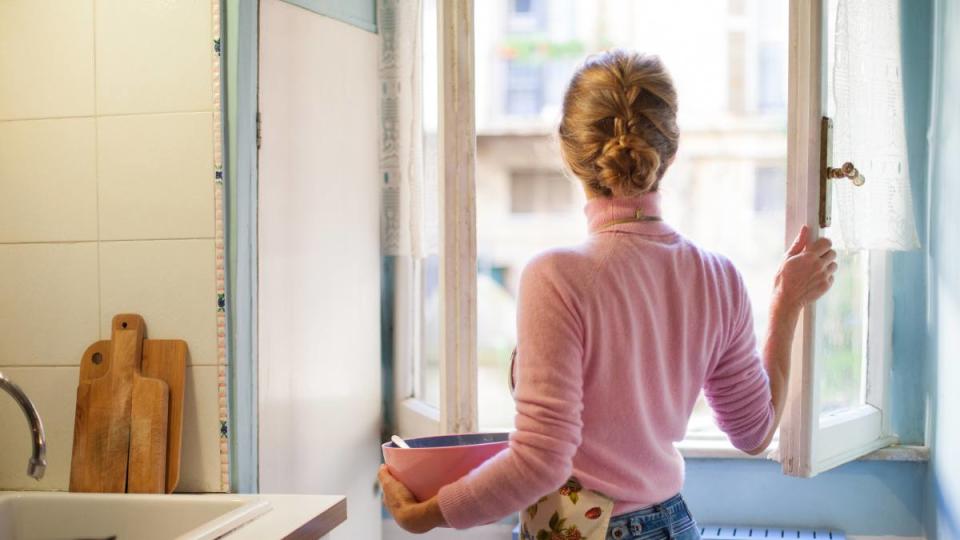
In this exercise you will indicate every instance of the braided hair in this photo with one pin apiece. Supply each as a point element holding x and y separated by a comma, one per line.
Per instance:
<point>618,131</point>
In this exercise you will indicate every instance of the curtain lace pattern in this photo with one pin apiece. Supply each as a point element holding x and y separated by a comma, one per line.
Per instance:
<point>406,216</point>
<point>869,130</point>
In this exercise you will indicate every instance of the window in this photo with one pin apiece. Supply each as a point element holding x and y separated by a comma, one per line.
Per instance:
<point>770,188</point>
<point>771,80</point>
<point>771,92</point>
<point>522,7</point>
<point>732,169</point>
<point>539,192</point>
<point>526,16</point>
<point>731,160</point>
<point>524,88</point>
<point>839,393</point>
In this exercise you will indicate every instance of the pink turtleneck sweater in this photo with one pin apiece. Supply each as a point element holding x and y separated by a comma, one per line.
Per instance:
<point>616,338</point>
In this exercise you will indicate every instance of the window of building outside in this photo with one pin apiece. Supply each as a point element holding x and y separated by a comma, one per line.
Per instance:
<point>539,192</point>
<point>725,190</point>
<point>524,92</point>
<point>526,15</point>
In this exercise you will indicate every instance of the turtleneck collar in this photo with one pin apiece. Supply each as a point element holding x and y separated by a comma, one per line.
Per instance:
<point>602,211</point>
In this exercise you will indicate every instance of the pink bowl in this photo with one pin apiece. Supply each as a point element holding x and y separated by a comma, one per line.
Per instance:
<point>433,462</point>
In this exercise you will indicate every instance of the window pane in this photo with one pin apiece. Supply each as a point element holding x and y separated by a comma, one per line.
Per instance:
<point>725,190</point>
<point>524,89</point>
<point>427,349</point>
<point>841,320</point>
<point>429,376</point>
<point>841,314</point>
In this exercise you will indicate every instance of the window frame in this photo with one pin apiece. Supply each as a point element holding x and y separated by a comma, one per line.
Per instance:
<point>807,444</point>
<point>811,443</point>
<point>456,134</point>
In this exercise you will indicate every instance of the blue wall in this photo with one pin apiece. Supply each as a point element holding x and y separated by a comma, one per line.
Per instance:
<point>867,497</point>
<point>864,498</point>
<point>943,335</point>
<point>360,13</point>
<point>909,269</point>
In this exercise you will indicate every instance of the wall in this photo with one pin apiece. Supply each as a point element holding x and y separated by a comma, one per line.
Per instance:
<point>943,340</point>
<point>107,205</point>
<point>361,14</point>
<point>319,245</point>
<point>869,498</point>
<point>908,371</point>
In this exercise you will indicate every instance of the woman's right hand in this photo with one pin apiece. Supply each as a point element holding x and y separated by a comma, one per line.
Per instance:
<point>806,273</point>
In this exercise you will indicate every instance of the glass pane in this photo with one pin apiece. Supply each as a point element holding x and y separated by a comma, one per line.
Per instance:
<point>429,376</point>
<point>726,190</point>
<point>427,353</point>
<point>839,349</point>
<point>841,319</point>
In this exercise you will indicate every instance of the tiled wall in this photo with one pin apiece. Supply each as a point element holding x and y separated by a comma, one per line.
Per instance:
<point>108,204</point>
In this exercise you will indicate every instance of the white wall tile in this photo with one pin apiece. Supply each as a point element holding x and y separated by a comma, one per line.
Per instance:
<point>53,390</point>
<point>170,283</point>
<point>46,58</point>
<point>48,303</point>
<point>156,176</point>
<point>48,180</point>
<point>200,458</point>
<point>67,182</point>
<point>153,56</point>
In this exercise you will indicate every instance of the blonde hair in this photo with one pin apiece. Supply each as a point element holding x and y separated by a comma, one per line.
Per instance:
<point>618,132</point>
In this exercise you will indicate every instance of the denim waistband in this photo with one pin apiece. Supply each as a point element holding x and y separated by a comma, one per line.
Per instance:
<point>670,515</point>
<point>670,506</point>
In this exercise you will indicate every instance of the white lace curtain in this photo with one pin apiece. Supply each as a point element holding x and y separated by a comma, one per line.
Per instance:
<point>869,129</point>
<point>405,217</point>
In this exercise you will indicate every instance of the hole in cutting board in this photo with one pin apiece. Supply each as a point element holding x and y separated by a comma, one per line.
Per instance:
<point>97,358</point>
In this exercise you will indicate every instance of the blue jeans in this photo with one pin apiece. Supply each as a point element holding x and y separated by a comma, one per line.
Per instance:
<point>668,520</point>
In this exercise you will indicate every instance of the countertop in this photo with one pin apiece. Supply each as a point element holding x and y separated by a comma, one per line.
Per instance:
<point>210,515</point>
<point>292,517</point>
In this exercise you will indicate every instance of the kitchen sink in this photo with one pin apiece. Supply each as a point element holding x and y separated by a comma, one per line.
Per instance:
<point>96,516</point>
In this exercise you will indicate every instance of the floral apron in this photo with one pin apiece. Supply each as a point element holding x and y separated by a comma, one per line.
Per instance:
<point>569,513</point>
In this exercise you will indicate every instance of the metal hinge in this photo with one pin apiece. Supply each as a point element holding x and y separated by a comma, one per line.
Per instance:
<point>259,130</point>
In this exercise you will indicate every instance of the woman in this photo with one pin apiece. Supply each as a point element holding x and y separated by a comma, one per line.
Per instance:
<point>617,337</point>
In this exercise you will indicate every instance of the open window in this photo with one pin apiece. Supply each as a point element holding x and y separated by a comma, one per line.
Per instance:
<point>838,407</point>
<point>491,78</point>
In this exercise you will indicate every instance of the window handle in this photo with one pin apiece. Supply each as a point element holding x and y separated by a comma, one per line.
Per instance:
<point>847,170</point>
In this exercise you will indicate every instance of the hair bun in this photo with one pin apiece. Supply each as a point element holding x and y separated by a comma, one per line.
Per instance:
<point>618,131</point>
<point>627,165</point>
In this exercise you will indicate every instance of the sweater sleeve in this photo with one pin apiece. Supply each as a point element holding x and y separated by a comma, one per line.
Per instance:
<point>549,400</point>
<point>737,389</point>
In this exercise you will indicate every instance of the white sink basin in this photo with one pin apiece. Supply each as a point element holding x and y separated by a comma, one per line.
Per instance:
<point>88,516</point>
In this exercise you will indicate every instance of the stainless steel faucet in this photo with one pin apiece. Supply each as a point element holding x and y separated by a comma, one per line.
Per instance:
<point>38,461</point>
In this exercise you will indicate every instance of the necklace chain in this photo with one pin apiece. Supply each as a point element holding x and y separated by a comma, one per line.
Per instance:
<point>640,216</point>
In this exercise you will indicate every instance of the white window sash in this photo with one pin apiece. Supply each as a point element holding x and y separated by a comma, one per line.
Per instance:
<point>811,443</point>
<point>457,412</point>
<point>458,234</point>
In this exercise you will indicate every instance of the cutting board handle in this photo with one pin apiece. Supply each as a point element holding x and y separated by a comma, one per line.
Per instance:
<point>127,348</point>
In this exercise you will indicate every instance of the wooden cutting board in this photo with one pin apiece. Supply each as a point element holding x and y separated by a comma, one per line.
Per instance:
<point>101,437</point>
<point>147,467</point>
<point>164,359</point>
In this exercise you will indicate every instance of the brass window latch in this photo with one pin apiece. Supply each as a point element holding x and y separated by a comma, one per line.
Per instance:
<point>827,172</point>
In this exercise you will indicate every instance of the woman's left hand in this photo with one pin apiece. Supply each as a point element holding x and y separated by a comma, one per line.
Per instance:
<point>412,516</point>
